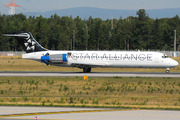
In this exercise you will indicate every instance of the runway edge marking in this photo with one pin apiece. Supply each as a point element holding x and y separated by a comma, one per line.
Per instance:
<point>61,112</point>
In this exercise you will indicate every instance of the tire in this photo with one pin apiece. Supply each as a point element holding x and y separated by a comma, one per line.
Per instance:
<point>86,70</point>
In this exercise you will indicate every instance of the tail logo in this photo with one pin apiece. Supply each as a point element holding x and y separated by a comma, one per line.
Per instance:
<point>29,43</point>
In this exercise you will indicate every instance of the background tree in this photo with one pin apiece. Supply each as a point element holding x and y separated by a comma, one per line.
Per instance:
<point>56,33</point>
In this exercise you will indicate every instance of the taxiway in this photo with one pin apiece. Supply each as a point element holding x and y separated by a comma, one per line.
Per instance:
<point>93,115</point>
<point>92,74</point>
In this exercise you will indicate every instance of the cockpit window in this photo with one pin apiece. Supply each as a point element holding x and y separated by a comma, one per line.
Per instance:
<point>165,56</point>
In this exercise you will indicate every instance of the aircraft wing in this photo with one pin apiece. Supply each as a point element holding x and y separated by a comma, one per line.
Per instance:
<point>82,65</point>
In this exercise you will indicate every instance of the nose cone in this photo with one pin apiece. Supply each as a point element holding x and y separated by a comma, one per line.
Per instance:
<point>174,63</point>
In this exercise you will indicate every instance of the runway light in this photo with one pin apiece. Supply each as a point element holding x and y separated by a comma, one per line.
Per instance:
<point>85,77</point>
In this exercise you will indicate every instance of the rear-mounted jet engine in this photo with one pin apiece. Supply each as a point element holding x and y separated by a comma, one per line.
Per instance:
<point>54,59</point>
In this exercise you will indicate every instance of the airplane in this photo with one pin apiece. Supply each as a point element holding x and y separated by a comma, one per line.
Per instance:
<point>92,59</point>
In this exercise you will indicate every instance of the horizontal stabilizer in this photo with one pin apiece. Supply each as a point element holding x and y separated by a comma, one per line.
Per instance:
<point>17,35</point>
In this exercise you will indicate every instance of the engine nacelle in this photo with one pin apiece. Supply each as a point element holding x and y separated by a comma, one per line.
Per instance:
<point>58,58</point>
<point>55,58</point>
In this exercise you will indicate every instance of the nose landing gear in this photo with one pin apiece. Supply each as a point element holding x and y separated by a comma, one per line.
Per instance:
<point>167,70</point>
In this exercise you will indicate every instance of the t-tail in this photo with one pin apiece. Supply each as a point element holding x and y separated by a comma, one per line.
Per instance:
<point>27,41</point>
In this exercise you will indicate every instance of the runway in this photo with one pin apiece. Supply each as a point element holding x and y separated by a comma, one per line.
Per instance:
<point>92,74</point>
<point>103,115</point>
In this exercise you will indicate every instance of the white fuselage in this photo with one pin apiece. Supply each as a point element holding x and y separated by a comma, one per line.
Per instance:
<point>121,59</point>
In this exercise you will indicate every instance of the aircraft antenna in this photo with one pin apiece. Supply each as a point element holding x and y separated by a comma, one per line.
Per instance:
<point>11,6</point>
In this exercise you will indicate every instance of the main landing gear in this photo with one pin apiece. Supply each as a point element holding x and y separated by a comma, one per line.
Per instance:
<point>167,70</point>
<point>86,69</point>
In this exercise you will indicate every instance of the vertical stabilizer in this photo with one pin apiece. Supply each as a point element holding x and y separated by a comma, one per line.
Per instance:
<point>28,42</point>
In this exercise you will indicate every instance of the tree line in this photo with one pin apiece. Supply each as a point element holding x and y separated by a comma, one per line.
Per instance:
<point>56,33</point>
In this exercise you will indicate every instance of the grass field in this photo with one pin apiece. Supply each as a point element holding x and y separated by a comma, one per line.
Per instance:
<point>16,63</point>
<point>116,92</point>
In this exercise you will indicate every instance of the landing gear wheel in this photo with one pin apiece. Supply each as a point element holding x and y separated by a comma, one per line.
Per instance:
<point>167,70</point>
<point>89,69</point>
<point>86,70</point>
